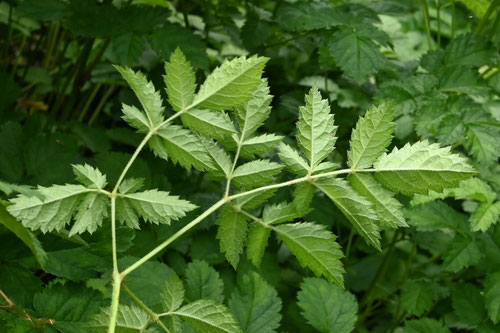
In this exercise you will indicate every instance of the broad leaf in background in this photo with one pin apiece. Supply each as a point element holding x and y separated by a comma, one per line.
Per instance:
<point>327,307</point>
<point>209,316</point>
<point>129,319</point>
<point>256,305</point>
<point>203,282</point>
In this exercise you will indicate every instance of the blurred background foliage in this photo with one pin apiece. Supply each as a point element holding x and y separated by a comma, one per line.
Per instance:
<point>60,104</point>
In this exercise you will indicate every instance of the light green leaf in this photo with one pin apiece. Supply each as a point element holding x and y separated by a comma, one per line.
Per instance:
<point>389,210</point>
<point>462,253</point>
<point>282,212</point>
<point>492,296</point>
<point>157,145</point>
<point>89,177</point>
<point>327,307</point>
<point>302,197</point>
<point>145,91</point>
<point>468,304</point>
<point>53,212</point>
<point>92,210</point>
<point>292,160</point>
<point>173,294</point>
<point>203,282</point>
<point>482,142</point>
<point>357,209</point>
<point>253,114</point>
<point>418,296</point>
<point>230,85</point>
<point>485,215</point>
<point>131,185</point>
<point>129,319</point>
<point>425,325</point>
<point>315,128</point>
<point>185,148</point>
<point>254,199</point>
<point>256,305</point>
<point>153,206</point>
<point>261,144</point>
<point>315,248</point>
<point>421,167</point>
<point>214,124</point>
<point>232,233</point>
<point>135,118</point>
<point>208,316</point>
<point>23,234</point>
<point>221,160</point>
<point>258,237</point>
<point>356,54</point>
<point>372,135</point>
<point>180,81</point>
<point>256,173</point>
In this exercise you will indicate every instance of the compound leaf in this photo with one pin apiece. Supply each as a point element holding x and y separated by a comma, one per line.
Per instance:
<point>462,253</point>
<point>173,294</point>
<point>129,319</point>
<point>427,325</point>
<point>258,236</point>
<point>485,215</point>
<point>292,160</point>
<point>92,210</point>
<point>255,173</point>
<point>214,124</point>
<point>492,296</point>
<point>253,114</point>
<point>260,144</point>
<point>89,177</point>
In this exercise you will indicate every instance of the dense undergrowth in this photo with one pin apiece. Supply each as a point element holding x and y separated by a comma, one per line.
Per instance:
<point>259,166</point>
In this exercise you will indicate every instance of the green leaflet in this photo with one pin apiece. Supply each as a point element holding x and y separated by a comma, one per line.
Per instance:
<point>315,248</point>
<point>209,316</point>
<point>485,216</point>
<point>356,53</point>
<point>315,129</point>
<point>468,304</point>
<point>153,206</point>
<point>389,210</point>
<point>356,209</point>
<point>129,319</point>
<point>421,167</point>
<point>427,325</point>
<point>232,233</point>
<point>260,144</point>
<point>418,296</point>
<point>203,282</point>
<point>292,160</point>
<point>462,253</point>
<point>59,204</point>
<point>253,114</point>
<point>492,296</point>
<point>185,148</point>
<point>255,173</point>
<point>372,135</point>
<point>214,124</point>
<point>256,305</point>
<point>89,177</point>
<point>327,307</point>
<point>173,294</point>
<point>230,85</point>
<point>149,98</point>
<point>258,237</point>
<point>180,81</point>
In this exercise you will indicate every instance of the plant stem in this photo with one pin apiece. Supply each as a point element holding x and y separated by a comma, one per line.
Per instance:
<point>236,156</point>
<point>425,10</point>
<point>115,300</point>
<point>438,8</point>
<point>150,312</point>
<point>172,238</point>
<point>89,101</point>
<point>486,16</point>
<point>453,14</point>
<point>101,104</point>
